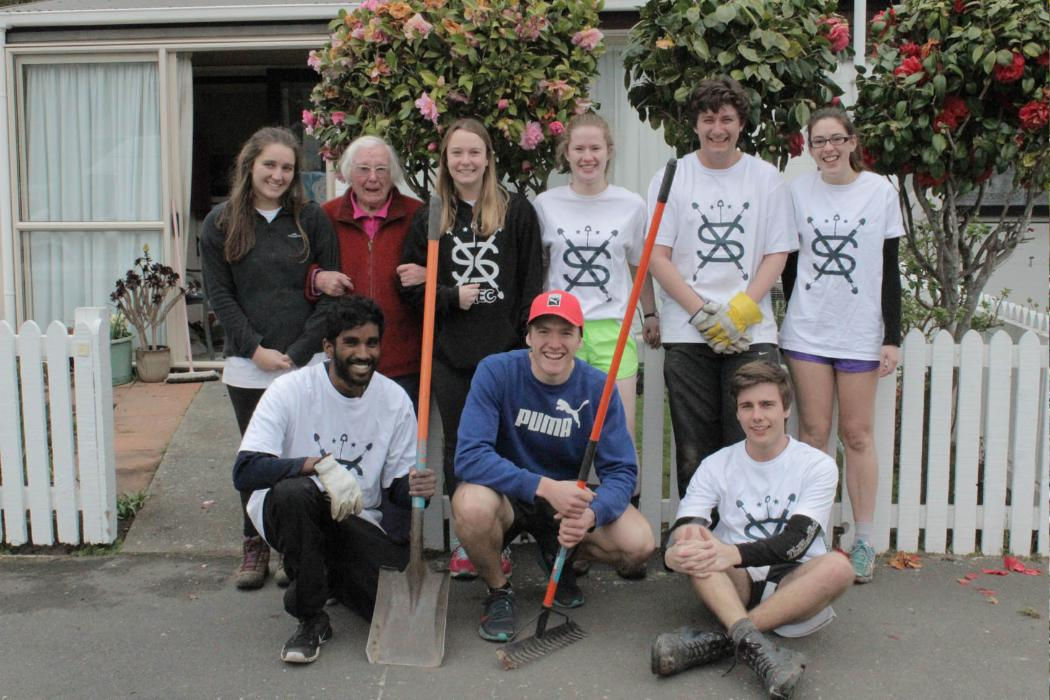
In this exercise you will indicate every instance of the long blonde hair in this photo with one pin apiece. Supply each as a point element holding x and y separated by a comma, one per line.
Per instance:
<point>237,219</point>
<point>491,207</point>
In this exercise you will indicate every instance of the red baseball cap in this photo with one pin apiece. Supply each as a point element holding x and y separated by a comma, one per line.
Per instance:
<point>557,303</point>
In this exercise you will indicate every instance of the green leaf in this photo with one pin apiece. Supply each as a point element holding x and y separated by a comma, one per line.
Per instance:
<point>726,58</point>
<point>939,143</point>
<point>802,114</point>
<point>1032,50</point>
<point>939,84</point>
<point>749,53</point>
<point>989,62</point>
<point>1004,57</point>
<point>725,13</point>
<point>682,94</point>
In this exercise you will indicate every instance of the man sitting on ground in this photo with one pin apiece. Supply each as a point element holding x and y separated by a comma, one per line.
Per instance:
<point>522,436</point>
<point>323,445</point>
<point>765,566</point>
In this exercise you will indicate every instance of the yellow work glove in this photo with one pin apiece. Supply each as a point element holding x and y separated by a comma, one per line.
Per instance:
<point>726,327</point>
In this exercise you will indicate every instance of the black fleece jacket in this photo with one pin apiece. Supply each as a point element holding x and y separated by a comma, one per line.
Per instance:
<point>259,299</point>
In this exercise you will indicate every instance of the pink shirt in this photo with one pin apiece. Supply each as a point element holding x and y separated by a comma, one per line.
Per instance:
<point>370,222</point>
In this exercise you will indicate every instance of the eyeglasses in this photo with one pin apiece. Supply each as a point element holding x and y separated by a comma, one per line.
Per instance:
<point>381,171</point>
<point>836,140</point>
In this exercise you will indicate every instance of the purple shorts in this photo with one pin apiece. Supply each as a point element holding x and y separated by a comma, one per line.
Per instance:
<point>838,364</point>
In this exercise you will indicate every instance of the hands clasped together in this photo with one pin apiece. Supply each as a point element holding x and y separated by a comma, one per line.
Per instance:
<point>727,327</point>
<point>572,506</point>
<point>697,552</point>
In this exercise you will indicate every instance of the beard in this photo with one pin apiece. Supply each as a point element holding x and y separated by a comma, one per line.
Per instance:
<point>342,370</point>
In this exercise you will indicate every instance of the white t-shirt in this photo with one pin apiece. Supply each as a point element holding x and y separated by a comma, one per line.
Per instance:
<point>591,240</point>
<point>719,225</point>
<point>836,305</point>
<point>756,499</point>
<point>302,415</point>
<point>242,373</point>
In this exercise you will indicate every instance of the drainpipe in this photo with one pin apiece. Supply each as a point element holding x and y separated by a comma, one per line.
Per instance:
<point>7,229</point>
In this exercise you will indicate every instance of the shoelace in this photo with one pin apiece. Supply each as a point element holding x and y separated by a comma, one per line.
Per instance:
<point>252,553</point>
<point>499,606</point>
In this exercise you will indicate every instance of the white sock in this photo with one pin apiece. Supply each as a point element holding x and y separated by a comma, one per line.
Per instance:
<point>863,532</point>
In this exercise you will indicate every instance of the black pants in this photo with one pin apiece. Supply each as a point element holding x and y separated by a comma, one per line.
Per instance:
<point>450,388</point>
<point>323,557</point>
<point>244,402</point>
<point>703,414</point>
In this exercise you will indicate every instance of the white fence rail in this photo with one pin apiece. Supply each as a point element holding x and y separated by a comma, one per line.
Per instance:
<point>1024,317</point>
<point>57,472</point>
<point>967,472</point>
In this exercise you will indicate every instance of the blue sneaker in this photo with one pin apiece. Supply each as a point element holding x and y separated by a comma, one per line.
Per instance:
<point>497,619</point>
<point>862,556</point>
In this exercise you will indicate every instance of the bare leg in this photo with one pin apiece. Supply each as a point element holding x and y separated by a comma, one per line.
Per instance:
<point>814,386</point>
<point>481,518</point>
<point>804,592</point>
<point>856,392</point>
<point>725,594</point>
<point>628,397</point>
<point>627,541</point>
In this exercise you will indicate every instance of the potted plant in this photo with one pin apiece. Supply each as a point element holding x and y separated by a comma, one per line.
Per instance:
<point>145,295</point>
<point>120,348</point>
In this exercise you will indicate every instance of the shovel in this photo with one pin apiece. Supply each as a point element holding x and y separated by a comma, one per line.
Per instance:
<point>408,625</point>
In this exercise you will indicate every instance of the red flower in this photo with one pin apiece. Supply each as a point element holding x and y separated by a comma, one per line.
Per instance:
<point>1044,59</point>
<point>837,32</point>
<point>868,157</point>
<point>1012,72</point>
<point>983,176</point>
<point>908,66</point>
<point>927,180</point>
<point>910,48</point>
<point>1034,115</point>
<point>795,144</point>
<point>959,6</point>
<point>954,112</point>
<point>836,101</point>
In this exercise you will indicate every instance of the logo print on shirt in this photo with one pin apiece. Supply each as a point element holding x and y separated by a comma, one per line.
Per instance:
<point>563,406</point>
<point>757,529</point>
<point>471,265</point>
<point>584,259</point>
<point>717,233</point>
<point>350,464</point>
<point>822,248</point>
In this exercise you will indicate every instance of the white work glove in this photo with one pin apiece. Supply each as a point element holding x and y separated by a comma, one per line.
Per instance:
<point>344,493</point>
<point>727,327</point>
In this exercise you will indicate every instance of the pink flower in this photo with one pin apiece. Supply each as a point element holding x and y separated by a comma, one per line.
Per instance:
<point>427,107</point>
<point>503,104</point>
<point>432,146</point>
<point>588,38</point>
<point>908,66</point>
<point>532,136</point>
<point>326,153</point>
<point>838,32</point>
<point>836,101</point>
<point>526,166</point>
<point>559,88</point>
<point>582,106</point>
<point>309,120</point>
<point>910,48</point>
<point>531,28</point>
<point>338,118</point>
<point>556,128</point>
<point>1012,72</point>
<point>371,5</point>
<point>417,26</point>
<point>314,61</point>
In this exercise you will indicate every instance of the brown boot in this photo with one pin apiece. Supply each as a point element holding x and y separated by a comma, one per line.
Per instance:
<point>674,652</point>
<point>255,565</point>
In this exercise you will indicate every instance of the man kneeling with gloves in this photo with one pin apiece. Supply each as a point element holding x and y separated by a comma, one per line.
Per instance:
<point>324,443</point>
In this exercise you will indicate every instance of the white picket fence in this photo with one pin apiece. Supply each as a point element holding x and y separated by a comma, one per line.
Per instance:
<point>1020,315</point>
<point>56,433</point>
<point>971,459</point>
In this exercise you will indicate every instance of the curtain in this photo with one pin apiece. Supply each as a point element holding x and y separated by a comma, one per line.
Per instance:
<point>92,154</point>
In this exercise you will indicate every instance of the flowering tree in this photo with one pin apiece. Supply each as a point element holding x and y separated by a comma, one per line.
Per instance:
<point>956,93</point>
<point>406,70</point>
<point>782,51</point>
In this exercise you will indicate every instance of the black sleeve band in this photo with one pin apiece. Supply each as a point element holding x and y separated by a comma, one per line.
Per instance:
<point>259,470</point>
<point>891,293</point>
<point>787,277</point>
<point>790,544</point>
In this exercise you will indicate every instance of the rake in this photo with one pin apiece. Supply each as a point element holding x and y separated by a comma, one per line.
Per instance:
<point>547,638</point>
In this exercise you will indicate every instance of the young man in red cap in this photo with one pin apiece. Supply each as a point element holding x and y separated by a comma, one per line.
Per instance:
<point>522,436</point>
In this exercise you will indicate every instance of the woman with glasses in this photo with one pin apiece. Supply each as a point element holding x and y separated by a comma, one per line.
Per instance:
<point>843,325</point>
<point>256,250</point>
<point>489,271</point>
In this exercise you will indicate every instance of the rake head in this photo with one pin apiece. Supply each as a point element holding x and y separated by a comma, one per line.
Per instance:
<point>521,651</point>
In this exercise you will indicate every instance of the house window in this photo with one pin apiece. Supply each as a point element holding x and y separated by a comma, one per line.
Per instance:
<point>91,192</point>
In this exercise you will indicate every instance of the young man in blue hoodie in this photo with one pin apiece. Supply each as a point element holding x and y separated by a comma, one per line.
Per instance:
<point>522,436</point>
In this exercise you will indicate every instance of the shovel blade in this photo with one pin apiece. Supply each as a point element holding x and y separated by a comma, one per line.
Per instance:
<point>408,626</point>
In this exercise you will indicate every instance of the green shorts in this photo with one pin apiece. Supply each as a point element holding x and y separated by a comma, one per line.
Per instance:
<point>599,342</point>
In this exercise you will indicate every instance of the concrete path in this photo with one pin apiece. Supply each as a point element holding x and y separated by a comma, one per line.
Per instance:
<point>161,620</point>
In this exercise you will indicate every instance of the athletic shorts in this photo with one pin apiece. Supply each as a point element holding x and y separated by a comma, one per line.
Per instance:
<point>764,581</point>
<point>839,364</point>
<point>599,343</point>
<point>537,519</point>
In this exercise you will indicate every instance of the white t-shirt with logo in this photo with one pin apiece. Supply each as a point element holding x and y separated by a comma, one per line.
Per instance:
<point>836,305</point>
<point>719,224</point>
<point>303,415</point>
<point>591,239</point>
<point>756,499</point>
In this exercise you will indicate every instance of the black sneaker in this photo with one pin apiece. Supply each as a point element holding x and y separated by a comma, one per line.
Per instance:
<point>779,669</point>
<point>305,645</point>
<point>568,593</point>
<point>497,620</point>
<point>673,652</point>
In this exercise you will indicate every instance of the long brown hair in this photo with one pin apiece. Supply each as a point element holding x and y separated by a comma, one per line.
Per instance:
<point>491,207</point>
<point>839,115</point>
<point>237,218</point>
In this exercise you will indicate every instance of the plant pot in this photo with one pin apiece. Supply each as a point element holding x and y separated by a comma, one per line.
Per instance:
<point>152,365</point>
<point>120,360</point>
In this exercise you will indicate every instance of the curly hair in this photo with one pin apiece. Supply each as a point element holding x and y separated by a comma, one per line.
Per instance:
<point>714,93</point>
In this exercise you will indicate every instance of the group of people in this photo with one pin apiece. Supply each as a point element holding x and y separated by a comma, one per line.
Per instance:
<point>326,467</point>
